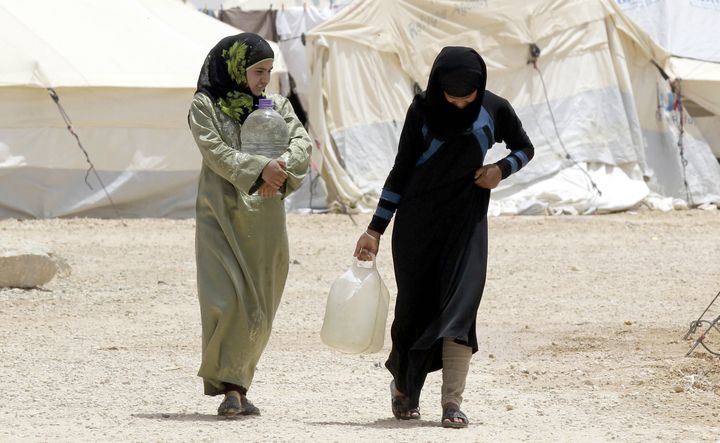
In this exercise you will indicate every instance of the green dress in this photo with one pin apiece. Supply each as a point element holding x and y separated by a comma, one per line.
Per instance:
<point>240,241</point>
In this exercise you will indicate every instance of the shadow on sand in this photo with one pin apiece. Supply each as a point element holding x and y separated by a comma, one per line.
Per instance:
<point>383,423</point>
<point>195,416</point>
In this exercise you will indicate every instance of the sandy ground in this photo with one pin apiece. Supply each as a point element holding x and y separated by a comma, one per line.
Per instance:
<point>580,330</point>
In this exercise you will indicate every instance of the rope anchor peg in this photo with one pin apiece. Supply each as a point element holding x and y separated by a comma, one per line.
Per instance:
<point>695,324</point>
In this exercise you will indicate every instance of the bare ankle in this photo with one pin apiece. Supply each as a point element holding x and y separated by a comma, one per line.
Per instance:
<point>234,394</point>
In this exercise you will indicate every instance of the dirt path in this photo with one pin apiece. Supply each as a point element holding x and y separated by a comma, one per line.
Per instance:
<point>580,331</point>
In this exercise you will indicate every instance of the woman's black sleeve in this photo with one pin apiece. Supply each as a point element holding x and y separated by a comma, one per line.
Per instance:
<point>409,151</point>
<point>508,129</point>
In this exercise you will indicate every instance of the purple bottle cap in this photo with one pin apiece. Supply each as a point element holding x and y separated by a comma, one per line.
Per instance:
<point>265,103</point>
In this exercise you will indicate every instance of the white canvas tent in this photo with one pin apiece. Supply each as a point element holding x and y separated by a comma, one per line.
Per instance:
<point>125,73</point>
<point>601,84</point>
<point>250,5</point>
<point>689,30</point>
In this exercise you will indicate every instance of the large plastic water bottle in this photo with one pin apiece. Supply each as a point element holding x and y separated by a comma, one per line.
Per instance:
<point>264,131</point>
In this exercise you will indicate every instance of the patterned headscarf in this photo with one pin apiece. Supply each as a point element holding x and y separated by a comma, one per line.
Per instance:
<point>223,75</point>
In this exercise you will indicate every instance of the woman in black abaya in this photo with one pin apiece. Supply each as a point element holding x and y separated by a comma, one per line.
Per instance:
<point>440,188</point>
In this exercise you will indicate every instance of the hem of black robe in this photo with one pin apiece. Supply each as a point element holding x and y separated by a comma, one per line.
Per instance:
<point>421,362</point>
<point>425,354</point>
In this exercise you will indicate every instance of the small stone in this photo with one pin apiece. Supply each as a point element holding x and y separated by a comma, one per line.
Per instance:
<point>678,389</point>
<point>509,407</point>
<point>491,355</point>
<point>628,322</point>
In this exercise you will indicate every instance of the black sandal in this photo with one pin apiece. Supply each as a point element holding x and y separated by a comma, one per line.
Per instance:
<point>451,412</point>
<point>230,406</point>
<point>399,406</point>
<point>248,408</point>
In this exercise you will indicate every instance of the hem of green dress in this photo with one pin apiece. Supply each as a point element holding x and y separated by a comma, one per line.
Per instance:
<point>214,386</point>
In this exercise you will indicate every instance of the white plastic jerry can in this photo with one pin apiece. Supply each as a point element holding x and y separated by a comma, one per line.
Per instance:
<point>356,311</point>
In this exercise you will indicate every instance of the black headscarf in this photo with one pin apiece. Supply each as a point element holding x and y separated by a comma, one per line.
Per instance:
<point>458,71</point>
<point>223,75</point>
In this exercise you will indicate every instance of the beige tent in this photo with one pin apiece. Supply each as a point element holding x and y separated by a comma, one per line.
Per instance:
<point>689,30</point>
<point>608,125</point>
<point>250,5</point>
<point>125,72</point>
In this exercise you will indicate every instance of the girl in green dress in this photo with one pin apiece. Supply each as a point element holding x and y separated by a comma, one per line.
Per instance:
<point>241,239</point>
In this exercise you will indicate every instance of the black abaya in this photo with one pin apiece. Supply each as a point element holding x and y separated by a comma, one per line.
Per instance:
<point>440,236</point>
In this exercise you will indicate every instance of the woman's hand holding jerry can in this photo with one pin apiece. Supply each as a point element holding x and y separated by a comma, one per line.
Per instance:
<point>367,245</point>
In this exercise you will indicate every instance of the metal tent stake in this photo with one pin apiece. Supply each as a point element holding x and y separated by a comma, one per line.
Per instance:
<point>694,325</point>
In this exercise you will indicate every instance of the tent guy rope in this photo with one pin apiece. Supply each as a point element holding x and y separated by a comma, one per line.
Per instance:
<point>679,108</point>
<point>91,168</point>
<point>534,55</point>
